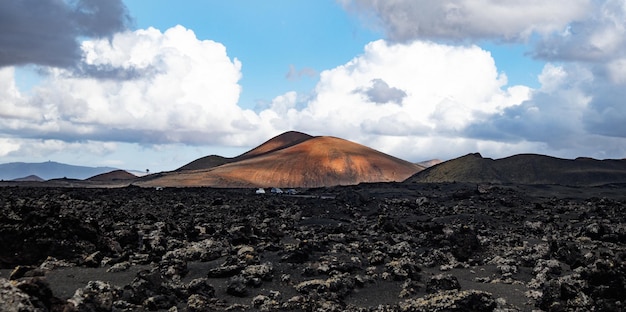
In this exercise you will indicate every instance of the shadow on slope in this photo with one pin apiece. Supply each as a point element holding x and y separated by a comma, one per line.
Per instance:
<point>278,142</point>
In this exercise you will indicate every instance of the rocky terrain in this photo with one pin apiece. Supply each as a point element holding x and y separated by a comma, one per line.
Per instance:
<point>370,247</point>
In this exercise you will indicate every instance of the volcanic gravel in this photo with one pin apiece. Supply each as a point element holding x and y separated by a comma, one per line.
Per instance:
<point>371,247</point>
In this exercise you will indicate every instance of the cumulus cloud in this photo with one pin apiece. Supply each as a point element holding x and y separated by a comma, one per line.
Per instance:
<point>409,97</point>
<point>562,30</point>
<point>380,92</point>
<point>404,20</point>
<point>575,113</point>
<point>413,90</point>
<point>184,90</point>
<point>578,110</point>
<point>454,101</point>
<point>46,32</point>
<point>553,114</point>
<point>599,37</point>
<point>8,146</point>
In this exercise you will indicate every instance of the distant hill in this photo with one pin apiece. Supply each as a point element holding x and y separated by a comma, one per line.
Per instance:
<point>292,159</point>
<point>49,170</point>
<point>525,169</point>
<point>30,178</point>
<point>115,175</point>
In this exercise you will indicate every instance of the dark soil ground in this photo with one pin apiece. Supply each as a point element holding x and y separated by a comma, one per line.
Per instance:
<point>371,247</point>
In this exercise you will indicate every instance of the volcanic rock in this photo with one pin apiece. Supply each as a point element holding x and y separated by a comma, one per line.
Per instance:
<point>452,301</point>
<point>441,282</point>
<point>237,286</point>
<point>511,248</point>
<point>96,296</point>
<point>12,299</point>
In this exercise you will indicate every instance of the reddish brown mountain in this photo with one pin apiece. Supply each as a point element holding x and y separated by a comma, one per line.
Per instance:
<point>276,143</point>
<point>115,175</point>
<point>295,159</point>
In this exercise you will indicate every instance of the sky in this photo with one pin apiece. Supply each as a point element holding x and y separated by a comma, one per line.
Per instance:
<point>139,85</point>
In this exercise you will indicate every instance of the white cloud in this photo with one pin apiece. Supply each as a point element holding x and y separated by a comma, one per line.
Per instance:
<point>444,88</point>
<point>142,86</point>
<point>553,114</point>
<point>404,20</point>
<point>8,146</point>
<point>416,100</point>
<point>456,102</point>
<point>560,30</point>
<point>11,100</point>
<point>576,112</point>
<point>599,36</point>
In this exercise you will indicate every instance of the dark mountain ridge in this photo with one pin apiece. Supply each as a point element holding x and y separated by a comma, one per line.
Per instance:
<point>525,169</point>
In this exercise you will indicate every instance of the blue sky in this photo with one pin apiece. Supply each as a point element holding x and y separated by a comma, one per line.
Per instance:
<point>267,37</point>
<point>155,84</point>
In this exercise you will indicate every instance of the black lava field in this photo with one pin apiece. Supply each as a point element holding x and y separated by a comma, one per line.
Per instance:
<point>370,247</point>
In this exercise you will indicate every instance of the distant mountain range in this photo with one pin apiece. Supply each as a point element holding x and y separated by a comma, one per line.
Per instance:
<point>295,159</point>
<point>48,170</point>
<point>525,169</point>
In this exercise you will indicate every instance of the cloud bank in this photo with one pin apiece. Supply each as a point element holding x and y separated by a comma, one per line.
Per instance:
<point>413,99</point>
<point>405,20</point>
<point>45,32</point>
<point>424,92</point>
<point>165,88</point>
<point>578,108</point>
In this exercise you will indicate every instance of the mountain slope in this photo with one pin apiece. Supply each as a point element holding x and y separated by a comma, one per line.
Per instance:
<point>296,162</point>
<point>525,169</point>
<point>278,142</point>
<point>206,162</point>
